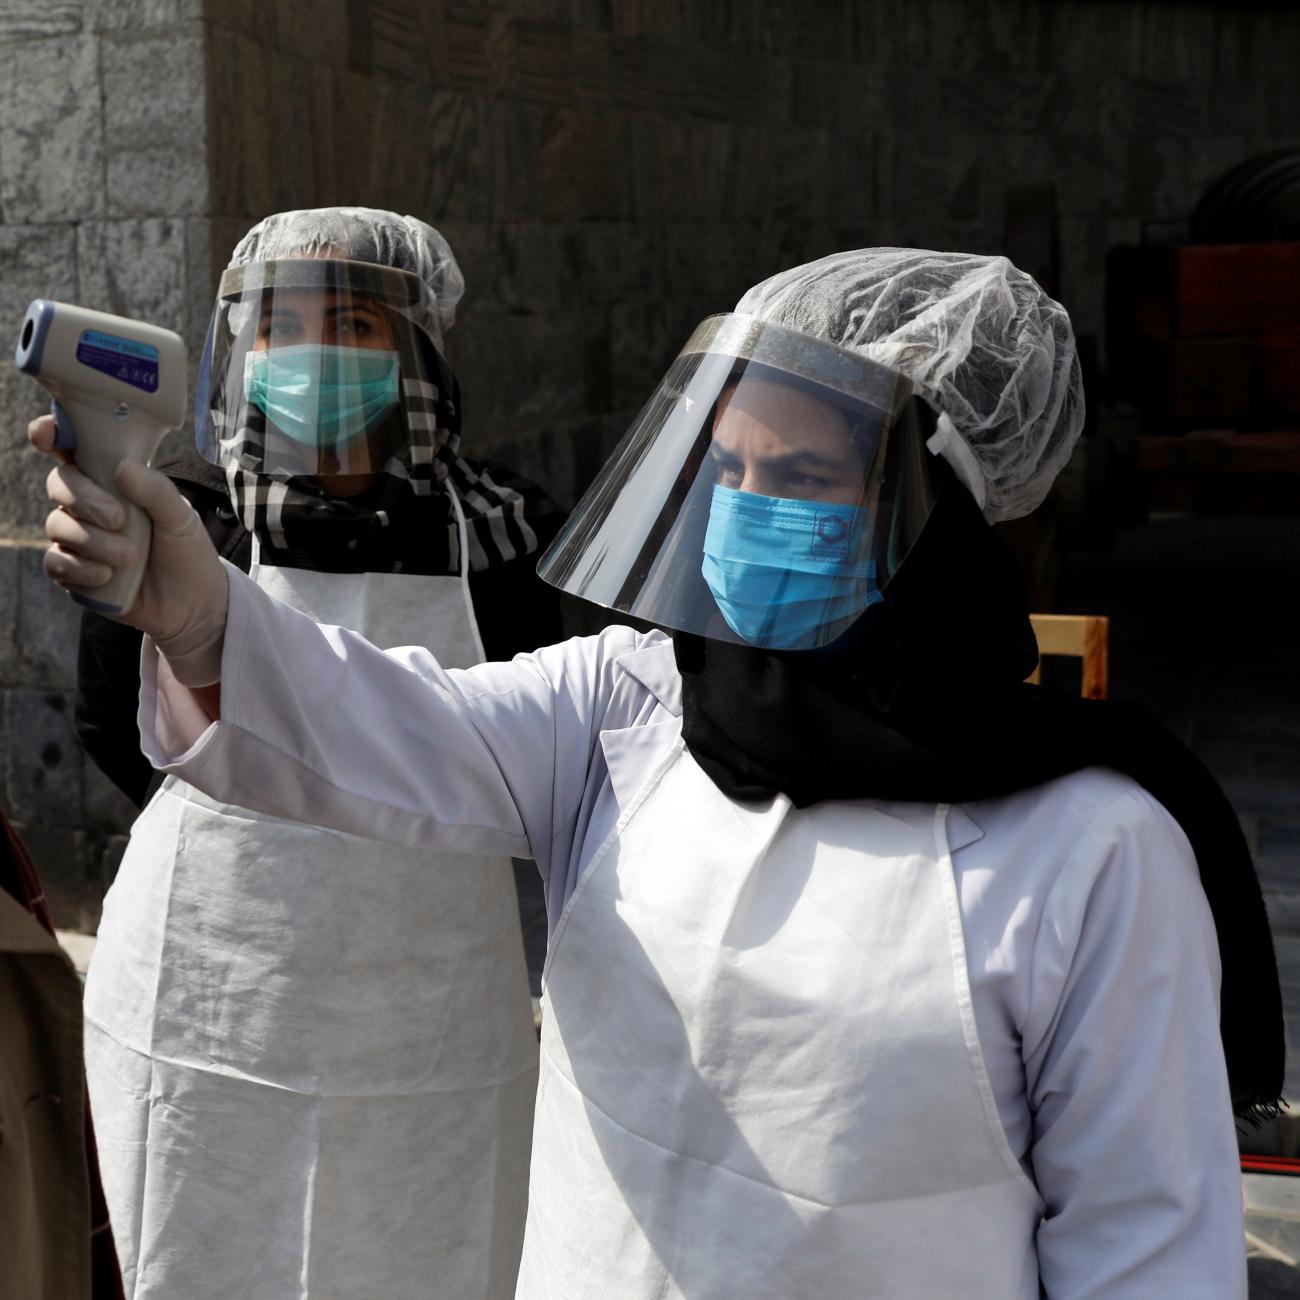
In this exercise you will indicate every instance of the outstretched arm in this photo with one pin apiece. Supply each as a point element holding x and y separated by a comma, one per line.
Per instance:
<point>318,725</point>
<point>315,723</point>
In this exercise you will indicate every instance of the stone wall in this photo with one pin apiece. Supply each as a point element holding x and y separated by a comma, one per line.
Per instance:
<point>71,816</point>
<point>103,184</point>
<point>103,201</point>
<point>611,170</point>
<point>608,171</point>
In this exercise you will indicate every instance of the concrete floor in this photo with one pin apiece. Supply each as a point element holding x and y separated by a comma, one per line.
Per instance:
<point>1273,1236</point>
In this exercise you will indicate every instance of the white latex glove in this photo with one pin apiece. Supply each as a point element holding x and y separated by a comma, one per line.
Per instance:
<point>184,595</point>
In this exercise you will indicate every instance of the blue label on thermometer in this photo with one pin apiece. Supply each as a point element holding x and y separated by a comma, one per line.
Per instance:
<point>125,359</point>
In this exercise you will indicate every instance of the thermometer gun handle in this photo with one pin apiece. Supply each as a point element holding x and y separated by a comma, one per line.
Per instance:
<point>98,452</point>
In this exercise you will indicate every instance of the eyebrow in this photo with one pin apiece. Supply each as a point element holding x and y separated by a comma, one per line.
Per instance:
<point>788,460</point>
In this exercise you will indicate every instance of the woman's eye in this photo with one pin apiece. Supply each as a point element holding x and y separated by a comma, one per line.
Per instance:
<point>353,326</point>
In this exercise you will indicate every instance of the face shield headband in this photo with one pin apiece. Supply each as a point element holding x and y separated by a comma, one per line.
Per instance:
<point>765,494</point>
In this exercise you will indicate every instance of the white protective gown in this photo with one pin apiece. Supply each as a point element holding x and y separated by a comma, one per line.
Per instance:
<point>310,1055</point>
<point>860,1051</point>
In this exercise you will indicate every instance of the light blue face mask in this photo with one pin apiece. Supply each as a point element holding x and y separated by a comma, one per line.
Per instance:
<point>320,395</point>
<point>787,574</point>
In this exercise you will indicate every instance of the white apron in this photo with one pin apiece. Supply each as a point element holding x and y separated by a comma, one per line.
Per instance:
<point>311,1057</point>
<point>760,1073</point>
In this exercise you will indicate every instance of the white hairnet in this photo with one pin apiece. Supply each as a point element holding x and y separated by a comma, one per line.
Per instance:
<point>979,339</point>
<point>366,235</point>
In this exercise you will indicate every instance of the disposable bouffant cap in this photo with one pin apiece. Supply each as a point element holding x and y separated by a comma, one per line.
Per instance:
<point>991,353</point>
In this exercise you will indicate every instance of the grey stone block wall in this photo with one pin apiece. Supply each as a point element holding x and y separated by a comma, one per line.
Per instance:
<point>104,202</point>
<point>609,171</point>
<point>103,185</point>
<point>71,817</point>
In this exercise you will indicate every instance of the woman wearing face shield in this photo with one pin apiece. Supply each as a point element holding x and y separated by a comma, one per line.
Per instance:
<point>311,1054</point>
<point>872,971</point>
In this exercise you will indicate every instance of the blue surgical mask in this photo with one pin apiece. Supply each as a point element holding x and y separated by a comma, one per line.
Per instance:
<point>786,574</point>
<point>320,395</point>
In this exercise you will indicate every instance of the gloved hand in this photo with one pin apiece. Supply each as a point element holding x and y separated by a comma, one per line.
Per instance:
<point>184,595</point>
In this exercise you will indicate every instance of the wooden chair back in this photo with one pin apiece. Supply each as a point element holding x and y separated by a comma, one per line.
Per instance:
<point>1083,636</point>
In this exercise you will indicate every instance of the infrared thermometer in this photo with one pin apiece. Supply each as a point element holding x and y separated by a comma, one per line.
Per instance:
<point>118,386</point>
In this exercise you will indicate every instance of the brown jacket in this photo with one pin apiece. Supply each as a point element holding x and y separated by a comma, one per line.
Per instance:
<point>54,1238</point>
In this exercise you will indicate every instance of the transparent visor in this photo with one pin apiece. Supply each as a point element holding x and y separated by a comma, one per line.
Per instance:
<point>765,495</point>
<point>314,367</point>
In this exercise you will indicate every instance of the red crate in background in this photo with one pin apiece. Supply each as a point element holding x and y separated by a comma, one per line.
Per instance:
<point>1204,341</point>
<point>1205,335</point>
<point>1221,290</point>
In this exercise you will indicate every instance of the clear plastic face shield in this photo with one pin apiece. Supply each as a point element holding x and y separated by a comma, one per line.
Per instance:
<point>313,367</point>
<point>765,495</point>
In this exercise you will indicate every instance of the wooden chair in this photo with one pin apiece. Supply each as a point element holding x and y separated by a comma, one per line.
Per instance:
<point>1084,636</point>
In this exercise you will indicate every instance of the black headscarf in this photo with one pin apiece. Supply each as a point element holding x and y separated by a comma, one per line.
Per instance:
<point>924,699</point>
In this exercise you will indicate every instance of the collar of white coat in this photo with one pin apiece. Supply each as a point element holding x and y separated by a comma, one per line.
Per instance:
<point>654,665</point>
<point>631,753</point>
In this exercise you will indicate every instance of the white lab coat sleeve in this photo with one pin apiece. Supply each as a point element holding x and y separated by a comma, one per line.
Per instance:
<point>1134,1146</point>
<point>320,726</point>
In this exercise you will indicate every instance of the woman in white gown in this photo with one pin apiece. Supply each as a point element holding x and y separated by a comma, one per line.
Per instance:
<point>310,1054</point>
<point>872,972</point>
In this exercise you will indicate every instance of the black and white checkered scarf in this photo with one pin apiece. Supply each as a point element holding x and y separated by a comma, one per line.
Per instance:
<point>407,523</point>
